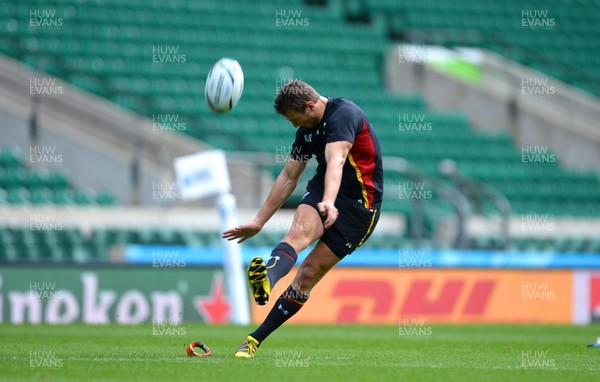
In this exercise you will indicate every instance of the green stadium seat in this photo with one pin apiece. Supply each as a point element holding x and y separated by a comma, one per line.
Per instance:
<point>108,51</point>
<point>17,196</point>
<point>85,198</point>
<point>10,158</point>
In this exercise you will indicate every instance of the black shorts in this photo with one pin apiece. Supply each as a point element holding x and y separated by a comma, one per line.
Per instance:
<point>354,224</point>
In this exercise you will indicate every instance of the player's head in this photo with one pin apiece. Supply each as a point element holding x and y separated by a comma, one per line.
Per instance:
<point>297,101</point>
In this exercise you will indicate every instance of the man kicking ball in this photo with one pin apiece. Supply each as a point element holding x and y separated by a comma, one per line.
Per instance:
<point>340,207</point>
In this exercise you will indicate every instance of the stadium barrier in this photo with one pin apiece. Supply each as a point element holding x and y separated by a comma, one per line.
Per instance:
<point>423,296</point>
<point>165,295</point>
<point>409,288</point>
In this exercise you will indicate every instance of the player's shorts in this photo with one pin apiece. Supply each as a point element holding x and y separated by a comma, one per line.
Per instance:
<point>354,224</point>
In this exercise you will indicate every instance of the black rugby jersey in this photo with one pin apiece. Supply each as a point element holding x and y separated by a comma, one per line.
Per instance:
<point>362,175</point>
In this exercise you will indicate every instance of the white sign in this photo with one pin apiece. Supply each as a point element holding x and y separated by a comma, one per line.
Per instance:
<point>201,175</point>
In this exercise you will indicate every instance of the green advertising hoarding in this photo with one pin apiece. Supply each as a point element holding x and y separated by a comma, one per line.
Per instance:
<point>112,294</point>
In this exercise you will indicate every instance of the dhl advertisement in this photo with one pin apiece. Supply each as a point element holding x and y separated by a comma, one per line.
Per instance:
<point>392,296</point>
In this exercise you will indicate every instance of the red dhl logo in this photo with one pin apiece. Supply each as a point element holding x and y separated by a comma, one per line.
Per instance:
<point>421,298</point>
<point>388,296</point>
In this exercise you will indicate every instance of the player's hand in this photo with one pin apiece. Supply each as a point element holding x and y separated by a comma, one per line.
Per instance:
<point>242,232</point>
<point>328,210</point>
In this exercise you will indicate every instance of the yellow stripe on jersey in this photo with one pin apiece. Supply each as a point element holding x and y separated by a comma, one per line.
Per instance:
<point>368,230</point>
<point>360,180</point>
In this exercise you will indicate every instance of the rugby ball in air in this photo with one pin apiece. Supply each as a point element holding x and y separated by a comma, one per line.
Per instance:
<point>224,85</point>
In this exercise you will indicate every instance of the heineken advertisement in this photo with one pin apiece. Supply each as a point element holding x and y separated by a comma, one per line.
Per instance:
<point>167,294</point>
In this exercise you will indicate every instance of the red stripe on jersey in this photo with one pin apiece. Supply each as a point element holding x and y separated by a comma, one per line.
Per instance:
<point>363,153</point>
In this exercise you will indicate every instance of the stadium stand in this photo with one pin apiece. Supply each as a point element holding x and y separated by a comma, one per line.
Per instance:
<point>70,244</point>
<point>117,48</point>
<point>22,185</point>
<point>115,64</point>
<point>556,37</point>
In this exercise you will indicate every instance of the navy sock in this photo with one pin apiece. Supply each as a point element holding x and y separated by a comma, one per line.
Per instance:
<point>288,304</point>
<point>281,262</point>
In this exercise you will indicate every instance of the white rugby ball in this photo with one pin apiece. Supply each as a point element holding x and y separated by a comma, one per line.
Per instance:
<point>224,85</point>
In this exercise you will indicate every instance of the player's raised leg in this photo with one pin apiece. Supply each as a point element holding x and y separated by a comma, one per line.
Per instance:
<point>316,265</point>
<point>306,228</point>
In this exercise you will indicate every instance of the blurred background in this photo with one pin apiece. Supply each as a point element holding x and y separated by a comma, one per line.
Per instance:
<point>487,113</point>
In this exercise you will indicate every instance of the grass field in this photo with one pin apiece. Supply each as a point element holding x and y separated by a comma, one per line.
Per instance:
<point>301,353</point>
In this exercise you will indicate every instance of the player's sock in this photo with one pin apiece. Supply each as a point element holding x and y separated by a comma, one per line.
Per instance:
<point>288,304</point>
<point>281,262</point>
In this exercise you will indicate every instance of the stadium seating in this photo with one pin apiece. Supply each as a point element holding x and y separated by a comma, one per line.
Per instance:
<point>556,37</point>
<point>107,48</point>
<point>20,185</point>
<point>70,244</point>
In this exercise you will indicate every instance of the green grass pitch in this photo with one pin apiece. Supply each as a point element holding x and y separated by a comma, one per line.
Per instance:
<point>301,353</point>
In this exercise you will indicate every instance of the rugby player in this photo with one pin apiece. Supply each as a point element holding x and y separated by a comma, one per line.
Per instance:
<point>339,210</point>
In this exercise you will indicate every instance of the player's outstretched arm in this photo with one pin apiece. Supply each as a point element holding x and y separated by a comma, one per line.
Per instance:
<point>284,186</point>
<point>335,155</point>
